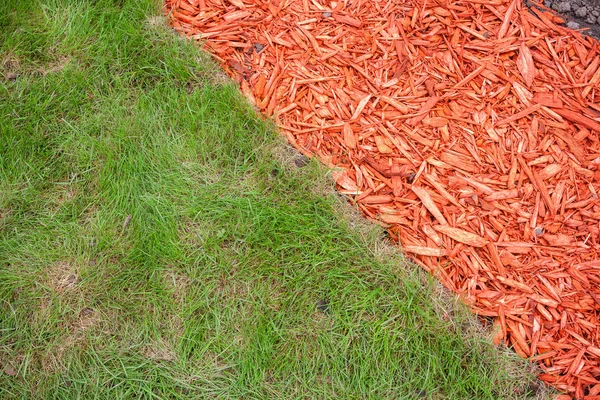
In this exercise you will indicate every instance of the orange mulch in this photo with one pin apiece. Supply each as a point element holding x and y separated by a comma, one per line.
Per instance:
<point>469,129</point>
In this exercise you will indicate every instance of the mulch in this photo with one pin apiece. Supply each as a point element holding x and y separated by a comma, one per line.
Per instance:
<point>470,130</point>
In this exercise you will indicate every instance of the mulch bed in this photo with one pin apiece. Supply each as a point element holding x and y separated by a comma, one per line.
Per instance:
<point>469,129</point>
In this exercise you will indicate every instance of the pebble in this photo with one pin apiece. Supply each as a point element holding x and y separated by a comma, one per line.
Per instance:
<point>582,12</point>
<point>572,25</point>
<point>590,19</point>
<point>565,6</point>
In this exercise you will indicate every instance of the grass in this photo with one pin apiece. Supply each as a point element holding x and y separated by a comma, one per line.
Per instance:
<point>158,240</point>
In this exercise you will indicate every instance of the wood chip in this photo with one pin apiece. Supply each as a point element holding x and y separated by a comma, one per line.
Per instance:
<point>461,235</point>
<point>525,64</point>
<point>425,197</point>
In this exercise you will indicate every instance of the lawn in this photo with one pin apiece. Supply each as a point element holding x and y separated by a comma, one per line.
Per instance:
<point>158,238</point>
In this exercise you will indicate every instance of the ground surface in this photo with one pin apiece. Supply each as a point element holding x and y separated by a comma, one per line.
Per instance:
<point>579,14</point>
<point>381,147</point>
<point>157,239</point>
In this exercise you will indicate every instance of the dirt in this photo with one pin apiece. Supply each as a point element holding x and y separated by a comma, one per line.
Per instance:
<point>579,14</point>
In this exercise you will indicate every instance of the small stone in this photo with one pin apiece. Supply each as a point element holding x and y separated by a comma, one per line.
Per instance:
<point>565,6</point>
<point>554,6</point>
<point>539,231</point>
<point>326,14</point>
<point>582,12</point>
<point>572,25</point>
<point>259,47</point>
<point>596,13</point>
<point>591,19</point>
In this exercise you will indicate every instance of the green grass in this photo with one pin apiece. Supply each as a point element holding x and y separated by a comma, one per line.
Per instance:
<point>157,239</point>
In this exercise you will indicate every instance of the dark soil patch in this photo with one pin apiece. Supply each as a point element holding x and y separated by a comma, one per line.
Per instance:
<point>579,14</point>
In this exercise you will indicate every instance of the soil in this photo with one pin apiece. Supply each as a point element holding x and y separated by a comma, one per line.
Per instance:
<point>579,14</point>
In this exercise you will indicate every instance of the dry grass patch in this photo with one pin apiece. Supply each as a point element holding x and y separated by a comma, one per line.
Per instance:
<point>176,282</point>
<point>54,67</point>
<point>160,350</point>
<point>73,337</point>
<point>10,67</point>
<point>63,276</point>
